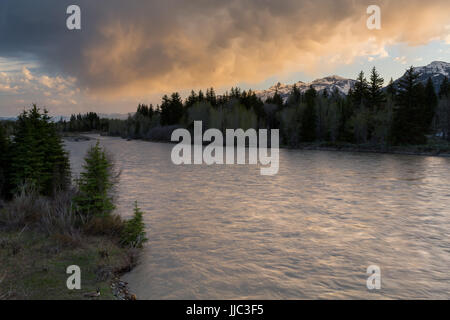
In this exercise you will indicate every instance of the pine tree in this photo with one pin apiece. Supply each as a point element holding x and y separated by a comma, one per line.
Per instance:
<point>4,161</point>
<point>171,110</point>
<point>430,104</point>
<point>38,157</point>
<point>276,100</point>
<point>376,96</point>
<point>211,97</point>
<point>191,100</point>
<point>201,96</point>
<point>176,108</point>
<point>133,234</point>
<point>360,91</point>
<point>294,99</point>
<point>309,118</point>
<point>95,185</point>
<point>408,125</point>
<point>391,89</point>
<point>444,89</point>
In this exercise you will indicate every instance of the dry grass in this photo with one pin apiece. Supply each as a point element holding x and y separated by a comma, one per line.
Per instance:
<point>40,237</point>
<point>3,295</point>
<point>55,218</point>
<point>49,215</point>
<point>37,271</point>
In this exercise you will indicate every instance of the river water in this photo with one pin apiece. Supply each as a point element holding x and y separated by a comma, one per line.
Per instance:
<point>310,232</point>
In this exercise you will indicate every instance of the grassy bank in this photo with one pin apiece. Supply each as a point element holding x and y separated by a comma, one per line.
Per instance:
<point>49,222</point>
<point>33,265</point>
<point>40,237</point>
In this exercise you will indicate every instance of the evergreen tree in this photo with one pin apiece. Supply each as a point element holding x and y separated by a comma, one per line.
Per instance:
<point>38,157</point>
<point>430,104</point>
<point>276,100</point>
<point>176,108</point>
<point>211,97</point>
<point>295,96</point>
<point>309,118</point>
<point>444,89</point>
<point>191,100</point>
<point>86,122</point>
<point>376,96</point>
<point>133,234</point>
<point>95,185</point>
<point>391,89</point>
<point>346,112</point>
<point>143,110</point>
<point>171,110</point>
<point>360,91</point>
<point>201,96</point>
<point>408,126</point>
<point>4,161</point>
<point>151,111</point>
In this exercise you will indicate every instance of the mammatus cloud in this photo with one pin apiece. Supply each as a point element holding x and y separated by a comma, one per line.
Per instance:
<point>138,47</point>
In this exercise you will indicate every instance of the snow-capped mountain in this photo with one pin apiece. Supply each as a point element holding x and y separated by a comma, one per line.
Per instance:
<point>437,71</point>
<point>330,84</point>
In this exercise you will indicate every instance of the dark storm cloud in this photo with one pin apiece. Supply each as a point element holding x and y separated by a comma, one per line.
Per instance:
<point>147,46</point>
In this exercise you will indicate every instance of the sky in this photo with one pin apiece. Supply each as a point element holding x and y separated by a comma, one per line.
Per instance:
<point>135,51</point>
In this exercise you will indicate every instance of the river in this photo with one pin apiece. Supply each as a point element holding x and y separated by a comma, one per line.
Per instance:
<point>310,232</point>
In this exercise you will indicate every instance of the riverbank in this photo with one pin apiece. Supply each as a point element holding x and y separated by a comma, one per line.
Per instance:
<point>33,266</point>
<point>435,147</point>
<point>75,137</point>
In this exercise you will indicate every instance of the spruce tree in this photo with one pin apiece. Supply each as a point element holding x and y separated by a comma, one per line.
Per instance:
<point>38,157</point>
<point>309,118</point>
<point>176,107</point>
<point>360,91</point>
<point>191,100</point>
<point>408,125</point>
<point>165,111</point>
<point>172,110</point>
<point>444,89</point>
<point>4,161</point>
<point>430,104</point>
<point>201,96</point>
<point>211,97</point>
<point>295,97</point>
<point>133,234</point>
<point>95,185</point>
<point>376,96</point>
<point>391,89</point>
<point>276,100</point>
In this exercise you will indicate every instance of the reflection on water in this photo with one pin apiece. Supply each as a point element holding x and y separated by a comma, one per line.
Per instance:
<point>226,232</point>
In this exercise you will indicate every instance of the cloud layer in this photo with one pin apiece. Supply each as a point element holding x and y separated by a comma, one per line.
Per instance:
<point>141,47</point>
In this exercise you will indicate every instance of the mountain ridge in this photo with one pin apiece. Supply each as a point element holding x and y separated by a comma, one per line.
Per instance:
<point>436,70</point>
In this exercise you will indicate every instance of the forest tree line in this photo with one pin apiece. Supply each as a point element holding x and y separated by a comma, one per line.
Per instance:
<point>403,113</point>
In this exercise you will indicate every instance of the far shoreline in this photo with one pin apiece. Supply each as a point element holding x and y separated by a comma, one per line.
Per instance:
<point>428,150</point>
